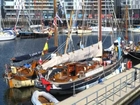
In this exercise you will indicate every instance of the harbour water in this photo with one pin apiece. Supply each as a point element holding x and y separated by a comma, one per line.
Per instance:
<point>9,49</point>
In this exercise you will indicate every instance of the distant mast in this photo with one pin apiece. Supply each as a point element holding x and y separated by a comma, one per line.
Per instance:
<point>55,28</point>
<point>126,25</point>
<point>99,20</point>
<point>0,17</point>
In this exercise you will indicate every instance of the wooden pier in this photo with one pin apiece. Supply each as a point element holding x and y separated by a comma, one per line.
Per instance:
<point>114,91</point>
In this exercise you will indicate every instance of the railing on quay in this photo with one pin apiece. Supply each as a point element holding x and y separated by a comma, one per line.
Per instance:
<point>97,97</point>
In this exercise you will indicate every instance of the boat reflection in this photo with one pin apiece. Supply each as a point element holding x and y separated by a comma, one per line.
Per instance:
<point>19,96</point>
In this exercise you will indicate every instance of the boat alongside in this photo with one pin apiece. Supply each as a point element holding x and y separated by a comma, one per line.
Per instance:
<point>22,76</point>
<point>73,70</point>
<point>134,30</point>
<point>7,35</point>
<point>43,98</point>
<point>104,29</point>
<point>76,74</point>
<point>132,50</point>
<point>42,30</point>
<point>77,30</point>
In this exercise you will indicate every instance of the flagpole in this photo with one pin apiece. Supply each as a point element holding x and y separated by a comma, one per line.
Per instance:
<point>55,27</point>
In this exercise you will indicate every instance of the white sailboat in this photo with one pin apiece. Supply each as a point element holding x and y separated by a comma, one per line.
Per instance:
<point>134,29</point>
<point>104,29</point>
<point>5,34</point>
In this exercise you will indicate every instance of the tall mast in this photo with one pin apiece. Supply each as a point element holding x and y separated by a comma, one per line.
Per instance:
<point>55,28</point>
<point>126,25</point>
<point>0,17</point>
<point>99,20</point>
<point>69,32</point>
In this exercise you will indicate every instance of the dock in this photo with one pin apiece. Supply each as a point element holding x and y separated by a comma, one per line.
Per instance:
<point>114,91</point>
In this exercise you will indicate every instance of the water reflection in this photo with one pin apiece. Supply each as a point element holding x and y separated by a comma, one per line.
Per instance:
<point>23,96</point>
<point>19,96</point>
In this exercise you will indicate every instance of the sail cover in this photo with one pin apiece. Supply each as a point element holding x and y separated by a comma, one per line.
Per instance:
<point>94,50</point>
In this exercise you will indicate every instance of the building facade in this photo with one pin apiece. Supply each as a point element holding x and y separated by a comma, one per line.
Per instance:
<point>133,7</point>
<point>37,9</point>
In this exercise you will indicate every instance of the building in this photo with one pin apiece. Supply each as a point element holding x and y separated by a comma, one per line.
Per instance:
<point>133,8</point>
<point>43,9</point>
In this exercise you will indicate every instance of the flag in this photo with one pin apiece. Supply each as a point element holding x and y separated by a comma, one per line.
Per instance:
<point>55,20</point>
<point>40,61</point>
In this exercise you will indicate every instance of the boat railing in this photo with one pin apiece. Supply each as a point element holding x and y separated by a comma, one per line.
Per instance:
<point>110,90</point>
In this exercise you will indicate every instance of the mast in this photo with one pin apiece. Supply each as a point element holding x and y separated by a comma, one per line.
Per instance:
<point>99,20</point>
<point>55,28</point>
<point>126,26</point>
<point>69,32</point>
<point>0,17</point>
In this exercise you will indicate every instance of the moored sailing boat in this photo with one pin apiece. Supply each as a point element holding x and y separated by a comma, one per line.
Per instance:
<point>6,34</point>
<point>130,48</point>
<point>77,69</point>
<point>22,76</point>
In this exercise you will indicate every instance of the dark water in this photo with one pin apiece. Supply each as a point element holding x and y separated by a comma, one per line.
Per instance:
<point>9,49</point>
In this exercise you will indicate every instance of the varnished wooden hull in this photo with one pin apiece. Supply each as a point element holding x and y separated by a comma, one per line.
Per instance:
<point>82,82</point>
<point>19,77</point>
<point>13,83</point>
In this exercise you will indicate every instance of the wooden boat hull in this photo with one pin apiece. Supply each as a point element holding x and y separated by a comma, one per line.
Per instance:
<point>57,88</point>
<point>18,77</point>
<point>13,83</point>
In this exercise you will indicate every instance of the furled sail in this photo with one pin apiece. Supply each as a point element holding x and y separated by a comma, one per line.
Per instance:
<point>32,55</point>
<point>94,50</point>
